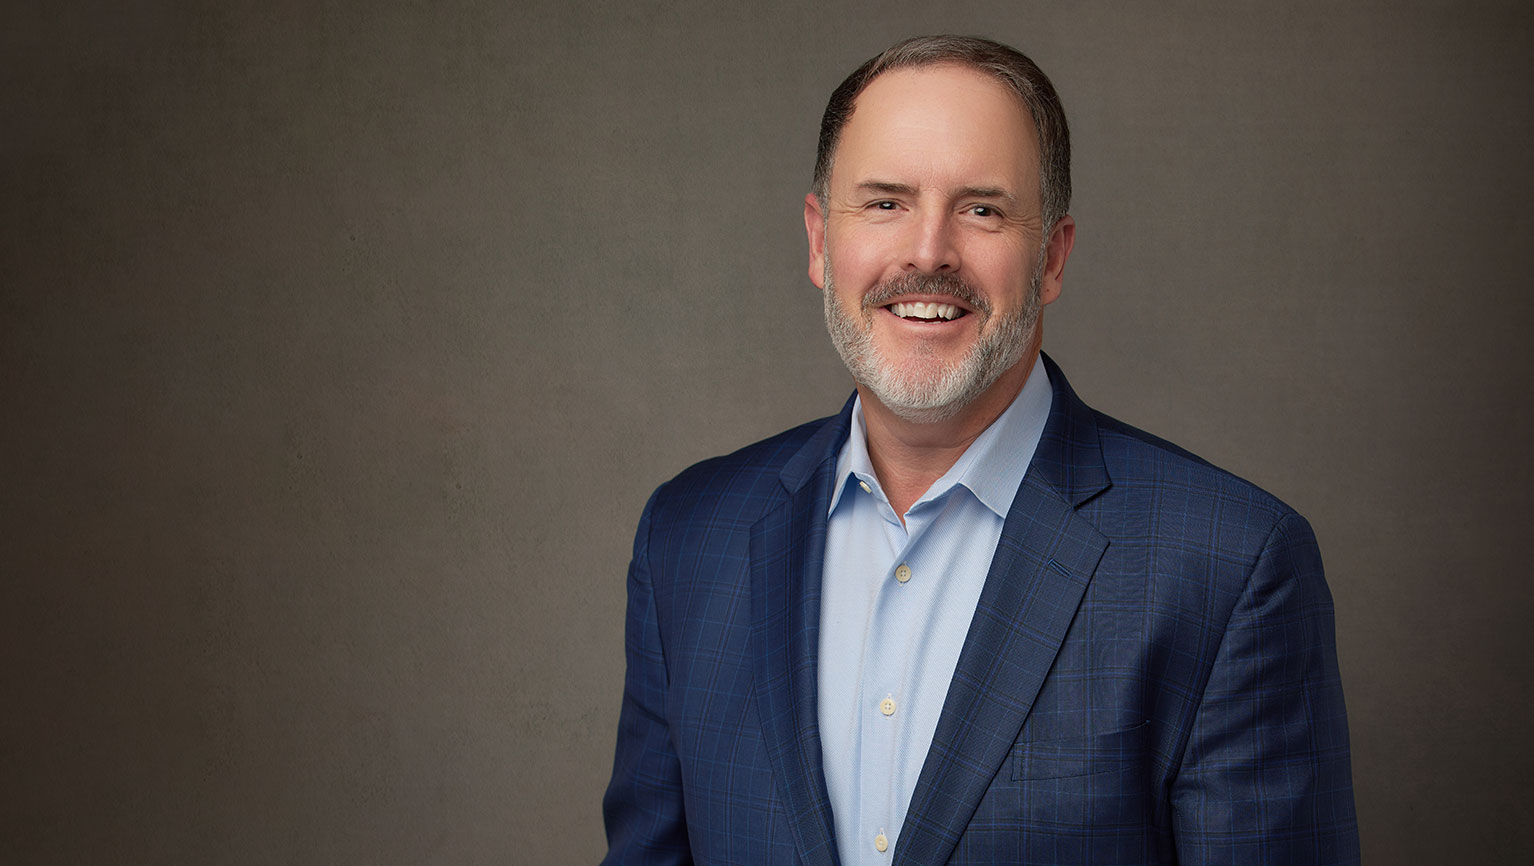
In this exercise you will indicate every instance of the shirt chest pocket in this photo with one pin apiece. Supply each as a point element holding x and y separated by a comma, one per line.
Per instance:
<point>1087,755</point>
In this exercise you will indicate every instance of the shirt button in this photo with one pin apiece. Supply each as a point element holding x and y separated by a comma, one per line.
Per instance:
<point>881,844</point>
<point>887,706</point>
<point>866,488</point>
<point>903,573</point>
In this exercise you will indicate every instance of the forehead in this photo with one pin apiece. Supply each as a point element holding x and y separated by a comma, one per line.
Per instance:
<point>942,123</point>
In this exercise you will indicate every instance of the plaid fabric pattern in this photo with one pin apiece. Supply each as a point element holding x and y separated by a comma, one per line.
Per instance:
<point>1150,675</point>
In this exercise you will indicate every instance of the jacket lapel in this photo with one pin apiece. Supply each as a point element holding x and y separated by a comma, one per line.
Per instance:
<point>1043,563</point>
<point>787,551</point>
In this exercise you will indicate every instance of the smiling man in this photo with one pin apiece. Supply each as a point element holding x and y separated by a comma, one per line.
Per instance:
<point>969,619</point>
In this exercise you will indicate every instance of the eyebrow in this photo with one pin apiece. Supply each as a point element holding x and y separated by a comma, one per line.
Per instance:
<point>887,187</point>
<point>987,192</point>
<point>890,188</point>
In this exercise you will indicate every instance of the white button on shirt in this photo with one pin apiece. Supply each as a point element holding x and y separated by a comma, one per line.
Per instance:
<point>893,644</point>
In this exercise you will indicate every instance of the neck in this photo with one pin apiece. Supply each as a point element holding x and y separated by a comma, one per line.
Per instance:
<point>909,456</point>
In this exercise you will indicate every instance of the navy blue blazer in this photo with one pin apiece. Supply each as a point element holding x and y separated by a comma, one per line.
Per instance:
<point>1150,675</point>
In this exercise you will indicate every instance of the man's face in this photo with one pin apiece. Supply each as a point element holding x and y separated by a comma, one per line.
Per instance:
<point>929,244</point>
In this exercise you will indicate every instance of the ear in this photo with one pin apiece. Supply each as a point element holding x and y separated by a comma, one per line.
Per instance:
<point>1061,240</point>
<point>815,230</point>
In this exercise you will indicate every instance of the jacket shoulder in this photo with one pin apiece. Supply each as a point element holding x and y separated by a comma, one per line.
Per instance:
<point>1189,493</point>
<point>734,487</point>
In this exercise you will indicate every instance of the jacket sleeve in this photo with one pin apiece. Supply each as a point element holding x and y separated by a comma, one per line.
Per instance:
<point>1266,775</point>
<point>643,808</point>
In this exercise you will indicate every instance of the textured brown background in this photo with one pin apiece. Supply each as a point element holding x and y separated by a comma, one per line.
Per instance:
<point>342,343</point>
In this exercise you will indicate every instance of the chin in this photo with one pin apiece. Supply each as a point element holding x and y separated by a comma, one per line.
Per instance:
<point>942,393</point>
<point>935,397</point>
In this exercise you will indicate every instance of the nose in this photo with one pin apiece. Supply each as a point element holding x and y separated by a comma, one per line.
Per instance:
<point>933,247</point>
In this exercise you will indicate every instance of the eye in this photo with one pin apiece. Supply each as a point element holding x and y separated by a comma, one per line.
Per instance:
<point>884,205</point>
<point>984,211</point>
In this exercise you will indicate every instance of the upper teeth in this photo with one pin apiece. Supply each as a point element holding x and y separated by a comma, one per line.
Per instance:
<point>917,310</point>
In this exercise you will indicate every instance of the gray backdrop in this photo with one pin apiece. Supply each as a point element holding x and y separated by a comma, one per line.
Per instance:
<point>342,343</point>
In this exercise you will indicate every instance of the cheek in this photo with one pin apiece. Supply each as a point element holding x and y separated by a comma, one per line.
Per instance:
<point>857,267</point>
<point>1003,273</point>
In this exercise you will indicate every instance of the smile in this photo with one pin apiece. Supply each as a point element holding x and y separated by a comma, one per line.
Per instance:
<point>921,312</point>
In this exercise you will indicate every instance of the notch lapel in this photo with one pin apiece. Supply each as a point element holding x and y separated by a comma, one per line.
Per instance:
<point>787,551</point>
<point>1043,563</point>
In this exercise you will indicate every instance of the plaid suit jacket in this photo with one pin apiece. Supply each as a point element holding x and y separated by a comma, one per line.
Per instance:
<point>1150,675</point>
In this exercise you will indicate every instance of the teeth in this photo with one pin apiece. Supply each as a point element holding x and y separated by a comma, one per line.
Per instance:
<point>916,310</point>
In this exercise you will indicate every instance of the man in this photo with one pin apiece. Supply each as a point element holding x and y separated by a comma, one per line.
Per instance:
<point>969,619</point>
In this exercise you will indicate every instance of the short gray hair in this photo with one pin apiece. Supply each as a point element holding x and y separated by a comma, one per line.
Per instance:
<point>1004,63</point>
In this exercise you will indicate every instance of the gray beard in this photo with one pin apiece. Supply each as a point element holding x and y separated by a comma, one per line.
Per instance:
<point>931,390</point>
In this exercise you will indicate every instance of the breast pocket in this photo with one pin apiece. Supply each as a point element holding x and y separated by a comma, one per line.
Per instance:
<point>1091,793</point>
<point>1086,799</point>
<point>1088,755</point>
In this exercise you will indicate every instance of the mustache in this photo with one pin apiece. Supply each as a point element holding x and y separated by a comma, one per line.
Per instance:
<point>905,284</point>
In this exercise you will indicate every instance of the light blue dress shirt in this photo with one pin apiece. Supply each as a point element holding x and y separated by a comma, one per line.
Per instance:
<point>896,604</point>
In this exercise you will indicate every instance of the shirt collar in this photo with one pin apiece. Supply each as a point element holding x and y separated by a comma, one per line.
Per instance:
<point>991,468</point>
